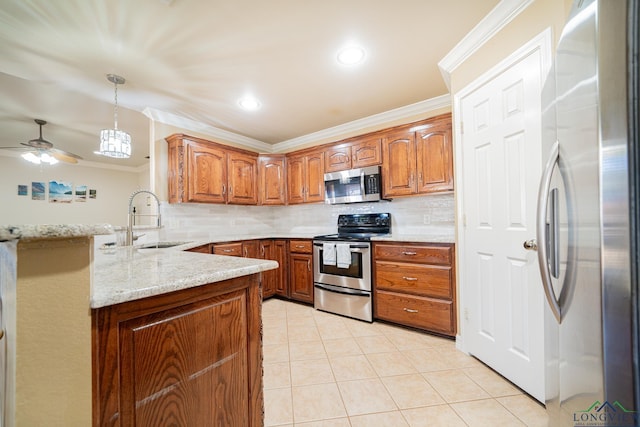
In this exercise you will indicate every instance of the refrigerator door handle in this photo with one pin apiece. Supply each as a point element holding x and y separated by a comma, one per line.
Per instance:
<point>541,231</point>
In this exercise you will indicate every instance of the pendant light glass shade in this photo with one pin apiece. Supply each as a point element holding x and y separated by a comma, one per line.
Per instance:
<point>114,142</point>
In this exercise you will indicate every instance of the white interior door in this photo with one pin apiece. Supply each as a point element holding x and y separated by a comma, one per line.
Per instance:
<point>502,309</point>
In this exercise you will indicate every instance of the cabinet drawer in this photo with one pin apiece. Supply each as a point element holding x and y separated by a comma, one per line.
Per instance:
<point>427,280</point>
<point>204,249</point>
<point>419,312</point>
<point>233,249</point>
<point>409,253</point>
<point>301,246</point>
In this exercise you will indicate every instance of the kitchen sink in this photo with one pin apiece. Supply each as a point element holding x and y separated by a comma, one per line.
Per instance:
<point>161,245</point>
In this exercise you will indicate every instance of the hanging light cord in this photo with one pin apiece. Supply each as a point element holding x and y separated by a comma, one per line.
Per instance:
<point>115,108</point>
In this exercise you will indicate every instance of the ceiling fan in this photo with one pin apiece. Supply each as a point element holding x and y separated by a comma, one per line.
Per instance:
<point>40,150</point>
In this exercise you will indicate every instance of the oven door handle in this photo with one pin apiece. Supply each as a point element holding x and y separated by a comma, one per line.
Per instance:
<point>345,291</point>
<point>355,246</point>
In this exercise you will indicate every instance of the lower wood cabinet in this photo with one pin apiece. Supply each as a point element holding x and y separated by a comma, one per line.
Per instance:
<point>188,358</point>
<point>301,270</point>
<point>414,285</point>
<point>274,282</point>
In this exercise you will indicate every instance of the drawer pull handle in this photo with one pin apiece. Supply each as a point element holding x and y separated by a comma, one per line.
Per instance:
<point>409,253</point>
<point>227,250</point>
<point>410,279</point>
<point>300,246</point>
<point>410,310</point>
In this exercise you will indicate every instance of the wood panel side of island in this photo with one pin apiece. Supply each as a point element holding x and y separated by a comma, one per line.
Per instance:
<point>190,357</point>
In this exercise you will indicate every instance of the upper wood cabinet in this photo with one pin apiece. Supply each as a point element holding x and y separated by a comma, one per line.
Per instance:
<point>272,183</point>
<point>355,154</point>
<point>305,177</point>
<point>206,172</point>
<point>242,179</point>
<point>418,159</point>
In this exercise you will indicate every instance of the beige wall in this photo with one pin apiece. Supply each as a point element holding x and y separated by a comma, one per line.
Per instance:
<point>53,333</point>
<point>113,190</point>
<point>532,21</point>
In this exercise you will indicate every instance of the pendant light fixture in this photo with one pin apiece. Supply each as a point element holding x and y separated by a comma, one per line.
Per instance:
<point>114,142</point>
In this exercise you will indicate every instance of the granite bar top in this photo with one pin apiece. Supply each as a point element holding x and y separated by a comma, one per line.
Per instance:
<point>51,231</point>
<point>128,273</point>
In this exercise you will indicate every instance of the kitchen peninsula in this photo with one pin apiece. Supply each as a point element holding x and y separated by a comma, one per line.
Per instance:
<point>127,336</point>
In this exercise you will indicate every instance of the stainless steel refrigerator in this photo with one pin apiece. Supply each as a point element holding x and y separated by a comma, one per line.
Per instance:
<point>587,218</point>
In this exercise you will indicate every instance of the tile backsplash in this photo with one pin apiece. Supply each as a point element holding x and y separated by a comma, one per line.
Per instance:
<point>429,216</point>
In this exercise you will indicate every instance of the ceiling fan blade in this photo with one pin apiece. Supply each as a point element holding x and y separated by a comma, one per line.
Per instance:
<point>64,156</point>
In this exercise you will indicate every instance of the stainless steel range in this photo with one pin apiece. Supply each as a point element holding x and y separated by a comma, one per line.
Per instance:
<point>342,265</point>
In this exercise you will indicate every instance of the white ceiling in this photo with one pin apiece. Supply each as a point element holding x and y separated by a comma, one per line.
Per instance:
<point>194,59</point>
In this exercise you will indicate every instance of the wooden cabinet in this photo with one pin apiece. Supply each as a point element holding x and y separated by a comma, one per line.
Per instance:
<point>206,172</point>
<point>231,249</point>
<point>272,183</point>
<point>301,270</point>
<point>415,285</point>
<point>251,249</point>
<point>274,282</point>
<point>305,177</point>
<point>418,159</point>
<point>359,153</point>
<point>242,179</point>
<point>203,249</point>
<point>190,358</point>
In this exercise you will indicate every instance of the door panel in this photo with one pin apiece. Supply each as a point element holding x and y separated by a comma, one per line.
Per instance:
<point>207,174</point>
<point>501,161</point>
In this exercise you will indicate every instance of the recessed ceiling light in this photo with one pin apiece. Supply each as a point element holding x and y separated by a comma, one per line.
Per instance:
<point>249,103</point>
<point>351,55</point>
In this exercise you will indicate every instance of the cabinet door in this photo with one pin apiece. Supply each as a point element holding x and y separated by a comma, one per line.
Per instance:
<point>337,158</point>
<point>435,159</point>
<point>301,277</point>
<point>187,358</point>
<point>206,173</point>
<point>272,180</point>
<point>269,277</point>
<point>315,177</point>
<point>367,153</point>
<point>243,179</point>
<point>250,249</point>
<point>398,166</point>
<point>282,279</point>
<point>295,179</point>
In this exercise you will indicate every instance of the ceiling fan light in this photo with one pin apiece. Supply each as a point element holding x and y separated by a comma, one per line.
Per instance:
<point>115,143</point>
<point>39,158</point>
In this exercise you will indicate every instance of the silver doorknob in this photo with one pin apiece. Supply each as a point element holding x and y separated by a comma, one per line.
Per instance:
<point>530,245</point>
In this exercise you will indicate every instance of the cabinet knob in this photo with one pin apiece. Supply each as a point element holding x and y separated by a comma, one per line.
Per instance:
<point>530,245</point>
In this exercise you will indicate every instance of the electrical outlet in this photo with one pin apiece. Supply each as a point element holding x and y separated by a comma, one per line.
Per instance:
<point>466,313</point>
<point>426,219</point>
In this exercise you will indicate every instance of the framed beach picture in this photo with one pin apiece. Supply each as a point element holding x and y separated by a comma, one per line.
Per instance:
<point>60,192</point>
<point>81,193</point>
<point>92,194</point>
<point>22,190</point>
<point>37,191</point>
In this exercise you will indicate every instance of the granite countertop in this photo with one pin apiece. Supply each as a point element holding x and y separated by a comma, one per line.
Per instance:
<point>52,231</point>
<point>128,273</point>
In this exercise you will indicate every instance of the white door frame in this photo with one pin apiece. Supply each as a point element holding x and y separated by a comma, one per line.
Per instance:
<point>543,43</point>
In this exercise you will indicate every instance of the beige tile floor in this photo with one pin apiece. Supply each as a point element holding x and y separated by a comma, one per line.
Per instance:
<point>324,370</point>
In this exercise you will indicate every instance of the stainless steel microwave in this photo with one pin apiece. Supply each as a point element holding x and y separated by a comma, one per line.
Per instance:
<point>353,186</point>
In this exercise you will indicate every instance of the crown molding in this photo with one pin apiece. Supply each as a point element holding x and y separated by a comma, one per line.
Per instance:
<point>188,124</point>
<point>495,21</point>
<point>418,108</point>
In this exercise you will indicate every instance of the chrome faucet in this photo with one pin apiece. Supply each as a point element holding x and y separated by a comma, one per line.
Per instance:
<point>131,215</point>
